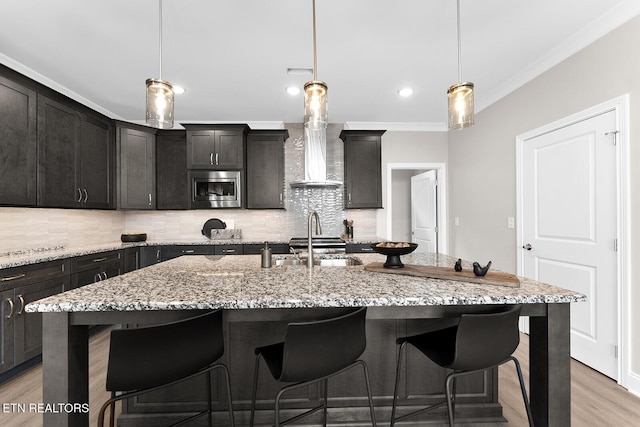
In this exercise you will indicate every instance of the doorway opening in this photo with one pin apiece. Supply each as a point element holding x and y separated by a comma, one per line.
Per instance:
<point>399,204</point>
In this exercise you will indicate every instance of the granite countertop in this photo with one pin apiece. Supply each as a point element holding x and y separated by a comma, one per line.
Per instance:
<point>238,282</point>
<point>20,258</point>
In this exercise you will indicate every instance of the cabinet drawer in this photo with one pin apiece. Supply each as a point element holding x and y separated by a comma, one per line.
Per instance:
<point>25,275</point>
<point>169,252</point>
<point>358,248</point>
<point>256,248</point>
<point>88,262</point>
<point>228,250</point>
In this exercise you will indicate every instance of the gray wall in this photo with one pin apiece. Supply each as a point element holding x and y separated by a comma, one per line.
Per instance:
<point>407,147</point>
<point>482,159</point>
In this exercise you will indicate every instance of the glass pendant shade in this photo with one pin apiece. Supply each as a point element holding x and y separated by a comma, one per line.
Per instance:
<point>315,104</point>
<point>159,104</point>
<point>461,113</point>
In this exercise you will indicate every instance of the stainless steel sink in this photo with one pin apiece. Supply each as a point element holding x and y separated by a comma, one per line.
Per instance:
<point>333,261</point>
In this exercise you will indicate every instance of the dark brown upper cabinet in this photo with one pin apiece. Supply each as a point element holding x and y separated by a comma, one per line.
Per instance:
<point>76,157</point>
<point>137,173</point>
<point>362,169</point>
<point>18,144</point>
<point>172,180</point>
<point>215,147</point>
<point>265,169</point>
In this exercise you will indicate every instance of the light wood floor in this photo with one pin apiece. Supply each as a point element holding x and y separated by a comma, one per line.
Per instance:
<point>596,400</point>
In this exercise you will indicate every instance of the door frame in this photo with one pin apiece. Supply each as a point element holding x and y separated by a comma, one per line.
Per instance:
<point>441,173</point>
<point>621,107</point>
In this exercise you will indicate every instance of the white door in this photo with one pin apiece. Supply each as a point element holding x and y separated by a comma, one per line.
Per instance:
<point>569,211</point>
<point>424,218</point>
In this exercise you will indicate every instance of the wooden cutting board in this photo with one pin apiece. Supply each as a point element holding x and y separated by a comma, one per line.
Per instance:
<point>448,273</point>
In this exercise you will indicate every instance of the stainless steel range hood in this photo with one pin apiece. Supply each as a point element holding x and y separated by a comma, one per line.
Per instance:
<point>315,160</point>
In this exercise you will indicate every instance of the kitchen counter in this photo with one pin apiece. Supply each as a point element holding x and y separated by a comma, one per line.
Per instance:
<point>238,282</point>
<point>260,302</point>
<point>27,257</point>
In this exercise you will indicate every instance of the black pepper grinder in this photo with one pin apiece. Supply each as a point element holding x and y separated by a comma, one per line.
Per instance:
<point>266,256</point>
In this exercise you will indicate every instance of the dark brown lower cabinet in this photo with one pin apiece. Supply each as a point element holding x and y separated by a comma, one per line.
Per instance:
<point>95,267</point>
<point>21,332</point>
<point>422,382</point>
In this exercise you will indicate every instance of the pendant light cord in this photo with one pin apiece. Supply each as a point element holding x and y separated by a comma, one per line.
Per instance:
<point>459,46</point>
<point>160,38</point>
<point>315,55</point>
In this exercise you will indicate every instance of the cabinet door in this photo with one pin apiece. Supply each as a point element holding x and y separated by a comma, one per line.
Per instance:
<point>96,165</point>
<point>215,147</point>
<point>130,259</point>
<point>265,170</point>
<point>7,311</point>
<point>362,169</point>
<point>229,154</point>
<point>172,180</point>
<point>17,144</point>
<point>58,135</point>
<point>28,326</point>
<point>150,255</point>
<point>137,169</point>
<point>201,149</point>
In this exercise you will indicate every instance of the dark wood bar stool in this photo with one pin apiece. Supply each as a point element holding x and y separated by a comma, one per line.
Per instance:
<point>479,342</point>
<point>145,359</point>
<point>312,352</point>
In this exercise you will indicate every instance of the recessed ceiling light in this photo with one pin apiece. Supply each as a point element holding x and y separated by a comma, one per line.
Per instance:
<point>300,71</point>
<point>178,90</point>
<point>407,91</point>
<point>293,90</point>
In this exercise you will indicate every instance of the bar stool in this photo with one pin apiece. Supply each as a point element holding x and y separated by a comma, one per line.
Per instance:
<point>315,351</point>
<point>149,358</point>
<point>479,342</point>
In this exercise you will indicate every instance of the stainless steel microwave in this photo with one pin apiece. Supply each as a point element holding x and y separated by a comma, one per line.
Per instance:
<point>215,189</point>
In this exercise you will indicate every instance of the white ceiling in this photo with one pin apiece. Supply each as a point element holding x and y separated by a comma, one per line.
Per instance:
<point>233,55</point>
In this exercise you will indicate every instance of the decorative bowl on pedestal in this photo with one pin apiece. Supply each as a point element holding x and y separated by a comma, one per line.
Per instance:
<point>393,250</point>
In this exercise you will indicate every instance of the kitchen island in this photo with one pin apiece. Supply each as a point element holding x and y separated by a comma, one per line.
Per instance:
<point>259,302</point>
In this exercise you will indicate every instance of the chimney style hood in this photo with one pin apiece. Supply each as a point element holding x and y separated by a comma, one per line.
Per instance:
<point>315,160</point>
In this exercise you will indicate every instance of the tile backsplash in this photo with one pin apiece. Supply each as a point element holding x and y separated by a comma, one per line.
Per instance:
<point>35,228</point>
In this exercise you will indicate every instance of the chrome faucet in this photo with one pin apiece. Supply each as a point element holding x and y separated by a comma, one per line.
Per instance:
<point>310,236</point>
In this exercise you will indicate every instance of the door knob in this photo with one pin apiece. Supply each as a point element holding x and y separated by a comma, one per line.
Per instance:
<point>527,247</point>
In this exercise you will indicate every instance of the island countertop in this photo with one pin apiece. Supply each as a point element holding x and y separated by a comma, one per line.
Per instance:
<point>197,282</point>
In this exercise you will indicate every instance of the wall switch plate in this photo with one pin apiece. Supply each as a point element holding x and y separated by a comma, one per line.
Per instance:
<point>456,221</point>
<point>511,223</point>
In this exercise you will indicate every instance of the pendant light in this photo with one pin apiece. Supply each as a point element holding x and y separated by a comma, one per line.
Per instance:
<point>460,95</point>
<point>159,94</point>
<point>315,91</point>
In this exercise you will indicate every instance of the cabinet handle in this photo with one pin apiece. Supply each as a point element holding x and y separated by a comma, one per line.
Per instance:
<point>149,199</point>
<point>10,301</point>
<point>188,251</point>
<point>211,158</point>
<point>349,198</point>
<point>17,276</point>
<point>281,198</point>
<point>21,298</point>
<point>158,255</point>
<point>79,196</point>
<point>100,259</point>
<point>86,195</point>
<point>217,163</point>
<point>228,251</point>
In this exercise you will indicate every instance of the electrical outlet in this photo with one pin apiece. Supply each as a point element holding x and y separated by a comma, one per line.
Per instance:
<point>511,223</point>
<point>456,221</point>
